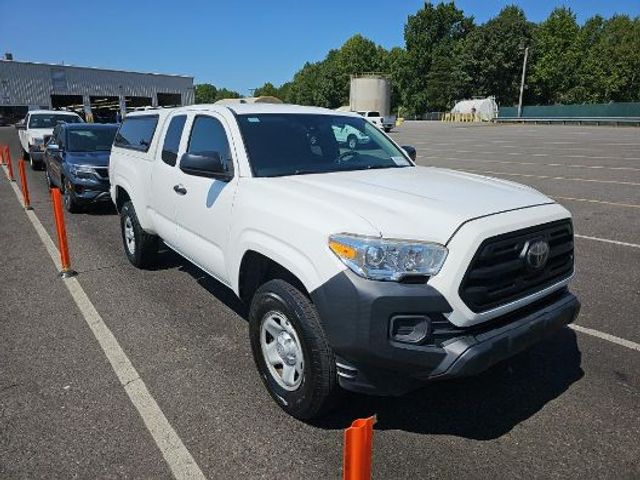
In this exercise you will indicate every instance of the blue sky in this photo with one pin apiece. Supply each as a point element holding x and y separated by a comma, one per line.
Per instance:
<point>237,44</point>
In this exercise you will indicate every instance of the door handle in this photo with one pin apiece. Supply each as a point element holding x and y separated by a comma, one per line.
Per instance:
<point>179,189</point>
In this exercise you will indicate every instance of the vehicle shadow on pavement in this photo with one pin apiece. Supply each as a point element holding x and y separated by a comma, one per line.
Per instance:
<point>483,407</point>
<point>102,209</point>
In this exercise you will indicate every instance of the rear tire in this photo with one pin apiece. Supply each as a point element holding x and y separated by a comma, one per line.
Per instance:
<point>283,318</point>
<point>140,247</point>
<point>34,164</point>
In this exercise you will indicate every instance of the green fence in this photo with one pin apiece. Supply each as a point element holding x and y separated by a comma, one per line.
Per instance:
<point>628,109</point>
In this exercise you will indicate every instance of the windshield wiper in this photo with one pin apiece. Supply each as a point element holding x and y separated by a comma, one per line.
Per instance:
<point>305,171</point>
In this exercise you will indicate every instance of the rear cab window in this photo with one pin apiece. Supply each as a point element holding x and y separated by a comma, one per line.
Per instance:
<point>172,140</point>
<point>136,132</point>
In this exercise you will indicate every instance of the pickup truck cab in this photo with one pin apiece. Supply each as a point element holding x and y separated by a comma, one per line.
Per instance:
<point>361,269</point>
<point>35,130</point>
<point>383,123</point>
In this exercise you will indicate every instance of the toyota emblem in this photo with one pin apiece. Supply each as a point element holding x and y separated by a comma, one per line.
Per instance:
<point>537,254</point>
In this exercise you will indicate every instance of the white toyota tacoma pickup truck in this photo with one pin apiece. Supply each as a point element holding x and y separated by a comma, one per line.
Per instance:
<point>361,270</point>
<point>383,123</point>
<point>36,128</point>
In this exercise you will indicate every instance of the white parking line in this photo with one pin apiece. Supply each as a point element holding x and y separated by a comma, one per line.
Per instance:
<point>512,162</point>
<point>178,458</point>
<point>591,200</point>
<point>548,177</point>
<point>606,240</point>
<point>605,336</point>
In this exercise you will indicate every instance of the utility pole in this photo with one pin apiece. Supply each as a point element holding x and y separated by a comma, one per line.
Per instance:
<point>524,74</point>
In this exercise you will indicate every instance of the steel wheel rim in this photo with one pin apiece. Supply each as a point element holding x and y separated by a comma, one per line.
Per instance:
<point>129,235</point>
<point>282,350</point>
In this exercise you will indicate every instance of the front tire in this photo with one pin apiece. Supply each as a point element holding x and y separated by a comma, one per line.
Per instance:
<point>47,178</point>
<point>70,203</point>
<point>140,247</point>
<point>291,352</point>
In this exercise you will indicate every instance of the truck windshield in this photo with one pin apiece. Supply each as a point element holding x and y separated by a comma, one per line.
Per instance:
<point>295,144</point>
<point>50,120</point>
<point>93,140</point>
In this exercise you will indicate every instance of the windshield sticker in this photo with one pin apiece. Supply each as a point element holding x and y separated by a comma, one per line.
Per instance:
<point>400,161</point>
<point>253,119</point>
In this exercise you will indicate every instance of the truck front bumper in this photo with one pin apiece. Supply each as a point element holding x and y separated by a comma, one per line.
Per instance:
<point>357,316</point>
<point>89,191</point>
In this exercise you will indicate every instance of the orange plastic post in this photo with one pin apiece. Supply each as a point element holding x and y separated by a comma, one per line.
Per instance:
<point>62,234</point>
<point>358,442</point>
<point>24,186</point>
<point>9,164</point>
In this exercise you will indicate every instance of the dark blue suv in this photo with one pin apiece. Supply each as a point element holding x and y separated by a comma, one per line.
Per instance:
<point>76,160</point>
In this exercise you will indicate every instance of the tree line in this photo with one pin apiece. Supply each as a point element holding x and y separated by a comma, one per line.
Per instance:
<point>448,57</point>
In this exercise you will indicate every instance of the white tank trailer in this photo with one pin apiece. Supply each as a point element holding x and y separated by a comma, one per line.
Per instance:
<point>370,92</point>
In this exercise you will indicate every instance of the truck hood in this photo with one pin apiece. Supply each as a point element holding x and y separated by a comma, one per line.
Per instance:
<point>418,203</point>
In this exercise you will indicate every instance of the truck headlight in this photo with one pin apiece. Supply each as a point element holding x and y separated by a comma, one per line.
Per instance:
<point>386,259</point>
<point>82,171</point>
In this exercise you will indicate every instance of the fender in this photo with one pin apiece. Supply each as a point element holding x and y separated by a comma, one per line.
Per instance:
<point>278,250</point>
<point>138,203</point>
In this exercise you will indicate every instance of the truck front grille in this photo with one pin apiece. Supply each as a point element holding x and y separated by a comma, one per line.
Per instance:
<point>499,273</point>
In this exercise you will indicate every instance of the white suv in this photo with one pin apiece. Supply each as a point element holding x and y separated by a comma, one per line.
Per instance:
<point>36,128</point>
<point>361,269</point>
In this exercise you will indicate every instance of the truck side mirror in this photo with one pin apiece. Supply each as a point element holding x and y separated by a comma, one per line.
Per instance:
<point>411,151</point>
<point>205,164</point>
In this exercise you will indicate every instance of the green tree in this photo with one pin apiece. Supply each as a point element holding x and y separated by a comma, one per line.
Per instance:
<point>493,52</point>
<point>589,69</point>
<point>612,66</point>
<point>431,31</point>
<point>205,93</point>
<point>208,93</point>
<point>226,93</point>
<point>447,80</point>
<point>555,59</point>
<point>267,90</point>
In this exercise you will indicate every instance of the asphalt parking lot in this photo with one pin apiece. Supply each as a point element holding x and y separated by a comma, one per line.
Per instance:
<point>569,407</point>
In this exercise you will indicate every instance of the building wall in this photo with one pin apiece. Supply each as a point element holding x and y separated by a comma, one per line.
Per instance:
<point>32,84</point>
<point>628,109</point>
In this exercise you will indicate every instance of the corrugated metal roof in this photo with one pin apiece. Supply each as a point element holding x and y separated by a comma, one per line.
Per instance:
<point>32,83</point>
<point>62,65</point>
